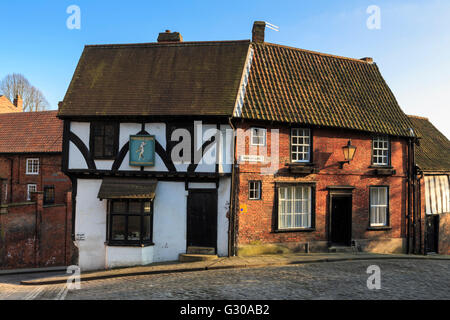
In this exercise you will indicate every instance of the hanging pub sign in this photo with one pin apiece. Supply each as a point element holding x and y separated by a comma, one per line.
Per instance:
<point>142,150</point>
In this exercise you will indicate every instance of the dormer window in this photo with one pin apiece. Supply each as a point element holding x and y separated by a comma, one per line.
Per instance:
<point>380,151</point>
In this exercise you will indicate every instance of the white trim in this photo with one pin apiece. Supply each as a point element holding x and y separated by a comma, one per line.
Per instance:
<point>237,112</point>
<point>264,136</point>
<point>28,190</point>
<point>37,168</point>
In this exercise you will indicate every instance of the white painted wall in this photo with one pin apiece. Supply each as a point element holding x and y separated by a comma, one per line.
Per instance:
<point>81,129</point>
<point>169,226</point>
<point>223,203</point>
<point>76,159</point>
<point>169,221</point>
<point>128,256</point>
<point>90,220</point>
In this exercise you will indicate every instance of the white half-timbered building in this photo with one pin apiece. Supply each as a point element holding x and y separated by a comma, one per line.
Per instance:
<point>148,145</point>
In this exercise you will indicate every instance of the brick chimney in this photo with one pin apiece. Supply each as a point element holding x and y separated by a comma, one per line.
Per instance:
<point>259,28</point>
<point>367,59</point>
<point>18,103</point>
<point>169,36</point>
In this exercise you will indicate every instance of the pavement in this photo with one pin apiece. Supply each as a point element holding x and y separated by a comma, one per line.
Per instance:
<point>227,263</point>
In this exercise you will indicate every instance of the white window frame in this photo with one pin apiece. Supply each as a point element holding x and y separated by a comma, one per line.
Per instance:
<point>380,145</point>
<point>295,210</point>
<point>34,163</point>
<point>300,140</point>
<point>253,135</point>
<point>29,191</point>
<point>254,187</point>
<point>377,211</point>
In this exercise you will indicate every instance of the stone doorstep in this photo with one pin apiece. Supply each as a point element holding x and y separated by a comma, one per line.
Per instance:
<point>230,263</point>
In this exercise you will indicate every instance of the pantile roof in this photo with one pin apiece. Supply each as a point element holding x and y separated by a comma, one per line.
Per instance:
<point>299,86</point>
<point>433,153</point>
<point>30,132</point>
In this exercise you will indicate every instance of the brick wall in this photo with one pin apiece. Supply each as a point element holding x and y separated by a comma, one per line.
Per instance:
<point>34,235</point>
<point>258,224</point>
<point>49,175</point>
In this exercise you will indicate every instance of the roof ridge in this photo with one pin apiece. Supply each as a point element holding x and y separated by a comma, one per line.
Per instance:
<point>315,52</point>
<point>417,117</point>
<point>162,44</point>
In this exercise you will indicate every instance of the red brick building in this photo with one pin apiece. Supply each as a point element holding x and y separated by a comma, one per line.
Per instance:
<point>30,157</point>
<point>35,202</point>
<point>299,109</point>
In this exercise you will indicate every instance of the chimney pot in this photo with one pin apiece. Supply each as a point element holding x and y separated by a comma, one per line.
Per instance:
<point>18,102</point>
<point>258,31</point>
<point>169,36</point>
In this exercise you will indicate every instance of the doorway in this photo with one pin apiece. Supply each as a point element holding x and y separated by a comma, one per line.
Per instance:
<point>341,220</point>
<point>432,233</point>
<point>202,218</point>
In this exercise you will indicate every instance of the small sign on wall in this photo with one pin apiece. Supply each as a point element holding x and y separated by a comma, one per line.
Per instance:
<point>80,237</point>
<point>142,150</point>
<point>243,208</point>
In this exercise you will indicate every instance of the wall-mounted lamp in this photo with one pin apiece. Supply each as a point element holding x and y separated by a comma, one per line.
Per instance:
<point>349,153</point>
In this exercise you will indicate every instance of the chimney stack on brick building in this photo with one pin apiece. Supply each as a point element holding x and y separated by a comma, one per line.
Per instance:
<point>18,102</point>
<point>258,31</point>
<point>169,36</point>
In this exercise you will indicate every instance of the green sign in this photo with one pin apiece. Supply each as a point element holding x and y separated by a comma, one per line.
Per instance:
<point>142,151</point>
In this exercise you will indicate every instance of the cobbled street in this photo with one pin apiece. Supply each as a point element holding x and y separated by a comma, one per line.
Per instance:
<point>400,279</point>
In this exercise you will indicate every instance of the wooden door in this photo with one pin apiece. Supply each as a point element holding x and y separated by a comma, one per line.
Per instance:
<point>341,220</point>
<point>432,233</point>
<point>202,218</point>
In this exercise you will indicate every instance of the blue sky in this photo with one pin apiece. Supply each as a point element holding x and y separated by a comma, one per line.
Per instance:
<point>412,48</point>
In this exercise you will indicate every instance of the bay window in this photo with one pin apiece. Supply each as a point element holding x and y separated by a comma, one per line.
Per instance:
<point>130,222</point>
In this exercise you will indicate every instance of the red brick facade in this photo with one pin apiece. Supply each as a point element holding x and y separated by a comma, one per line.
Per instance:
<point>14,172</point>
<point>258,224</point>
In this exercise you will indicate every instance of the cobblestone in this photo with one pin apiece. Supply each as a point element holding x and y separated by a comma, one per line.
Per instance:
<point>400,279</point>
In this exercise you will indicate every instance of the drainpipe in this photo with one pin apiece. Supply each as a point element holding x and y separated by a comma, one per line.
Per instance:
<point>419,210</point>
<point>232,215</point>
<point>408,227</point>
<point>11,168</point>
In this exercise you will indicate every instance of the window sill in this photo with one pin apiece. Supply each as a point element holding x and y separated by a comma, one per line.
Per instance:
<point>123,244</point>
<point>295,230</point>
<point>384,228</point>
<point>302,167</point>
<point>379,166</point>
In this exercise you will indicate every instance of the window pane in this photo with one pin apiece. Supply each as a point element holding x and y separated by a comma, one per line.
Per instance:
<point>147,207</point>
<point>119,207</point>
<point>134,207</point>
<point>146,229</point>
<point>134,228</point>
<point>118,228</point>
<point>98,146</point>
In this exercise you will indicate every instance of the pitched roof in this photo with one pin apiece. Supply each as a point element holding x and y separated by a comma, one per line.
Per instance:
<point>433,154</point>
<point>299,86</point>
<point>185,78</point>
<point>30,132</point>
<point>6,106</point>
